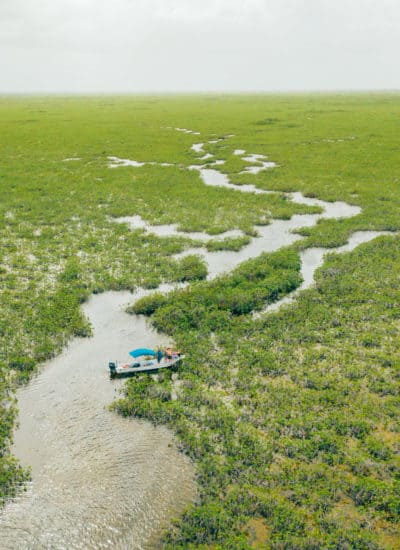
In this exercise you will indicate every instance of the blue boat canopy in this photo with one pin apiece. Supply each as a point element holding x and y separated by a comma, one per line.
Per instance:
<point>142,351</point>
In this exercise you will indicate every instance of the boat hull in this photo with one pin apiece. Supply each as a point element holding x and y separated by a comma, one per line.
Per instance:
<point>118,369</point>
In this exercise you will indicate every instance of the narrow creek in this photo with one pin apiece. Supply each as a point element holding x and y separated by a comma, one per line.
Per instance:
<point>99,480</point>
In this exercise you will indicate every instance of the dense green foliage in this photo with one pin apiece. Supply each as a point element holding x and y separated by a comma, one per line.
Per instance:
<point>252,285</point>
<point>291,419</point>
<point>11,473</point>
<point>233,243</point>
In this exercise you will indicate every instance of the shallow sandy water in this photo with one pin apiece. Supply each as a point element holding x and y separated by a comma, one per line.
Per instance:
<point>99,480</point>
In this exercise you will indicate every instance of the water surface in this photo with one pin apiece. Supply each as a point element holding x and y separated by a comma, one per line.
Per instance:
<point>98,480</point>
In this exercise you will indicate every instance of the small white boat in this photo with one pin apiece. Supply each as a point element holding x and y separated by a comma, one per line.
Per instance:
<point>146,360</point>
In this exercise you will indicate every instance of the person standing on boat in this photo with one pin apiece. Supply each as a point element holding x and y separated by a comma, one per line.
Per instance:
<point>159,355</point>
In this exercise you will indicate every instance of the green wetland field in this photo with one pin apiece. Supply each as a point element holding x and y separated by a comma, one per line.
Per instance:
<point>292,418</point>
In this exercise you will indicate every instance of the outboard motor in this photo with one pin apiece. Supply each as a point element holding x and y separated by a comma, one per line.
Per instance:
<point>113,369</point>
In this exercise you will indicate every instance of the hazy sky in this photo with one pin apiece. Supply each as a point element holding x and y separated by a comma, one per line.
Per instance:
<point>202,45</point>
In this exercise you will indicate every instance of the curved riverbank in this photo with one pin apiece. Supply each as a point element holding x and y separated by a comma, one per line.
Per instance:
<point>98,480</point>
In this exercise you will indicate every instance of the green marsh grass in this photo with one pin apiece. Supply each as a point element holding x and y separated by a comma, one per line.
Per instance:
<point>291,419</point>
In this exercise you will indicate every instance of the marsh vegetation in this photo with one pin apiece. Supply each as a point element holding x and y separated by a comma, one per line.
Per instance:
<point>290,418</point>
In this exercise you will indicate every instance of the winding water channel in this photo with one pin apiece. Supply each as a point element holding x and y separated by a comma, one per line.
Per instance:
<point>99,480</point>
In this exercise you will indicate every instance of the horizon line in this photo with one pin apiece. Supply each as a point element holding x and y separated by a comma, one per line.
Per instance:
<point>202,92</point>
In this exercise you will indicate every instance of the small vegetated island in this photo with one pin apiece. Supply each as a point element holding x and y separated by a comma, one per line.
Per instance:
<point>290,417</point>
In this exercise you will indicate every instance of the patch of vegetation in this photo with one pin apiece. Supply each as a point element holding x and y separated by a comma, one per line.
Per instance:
<point>12,475</point>
<point>266,121</point>
<point>190,268</point>
<point>208,306</point>
<point>230,243</point>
